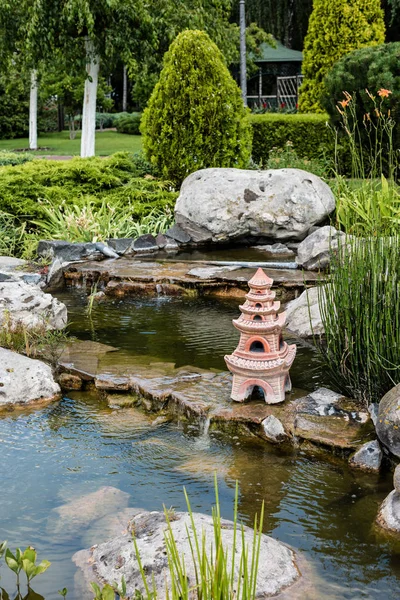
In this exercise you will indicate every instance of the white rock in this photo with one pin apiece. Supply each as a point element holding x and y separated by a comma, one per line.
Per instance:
<point>116,559</point>
<point>303,315</point>
<point>314,252</point>
<point>274,430</point>
<point>22,303</point>
<point>24,380</point>
<point>389,512</point>
<point>219,205</point>
<point>368,457</point>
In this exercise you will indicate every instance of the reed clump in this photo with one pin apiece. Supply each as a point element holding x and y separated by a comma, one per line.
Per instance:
<point>360,311</point>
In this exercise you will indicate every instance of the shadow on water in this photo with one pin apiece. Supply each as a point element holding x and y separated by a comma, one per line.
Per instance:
<point>71,472</point>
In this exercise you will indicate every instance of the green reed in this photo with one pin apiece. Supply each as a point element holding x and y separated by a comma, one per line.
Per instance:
<point>360,310</point>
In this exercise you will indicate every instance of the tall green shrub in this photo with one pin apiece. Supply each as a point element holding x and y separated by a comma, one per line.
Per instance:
<point>195,117</point>
<point>336,27</point>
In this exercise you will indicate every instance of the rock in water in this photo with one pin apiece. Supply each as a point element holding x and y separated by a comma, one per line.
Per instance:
<point>389,512</point>
<point>314,252</point>
<point>24,380</point>
<point>274,430</point>
<point>116,559</point>
<point>303,315</point>
<point>219,205</point>
<point>388,422</point>
<point>25,304</point>
<point>368,457</point>
<point>77,515</point>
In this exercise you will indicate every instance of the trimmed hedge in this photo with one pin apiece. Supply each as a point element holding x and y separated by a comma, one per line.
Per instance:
<point>309,133</point>
<point>129,124</point>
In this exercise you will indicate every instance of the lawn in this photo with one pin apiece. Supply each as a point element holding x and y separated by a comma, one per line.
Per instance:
<point>107,142</point>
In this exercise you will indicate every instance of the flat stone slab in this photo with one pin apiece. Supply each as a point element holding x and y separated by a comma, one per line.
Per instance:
<point>322,417</point>
<point>130,276</point>
<point>109,562</point>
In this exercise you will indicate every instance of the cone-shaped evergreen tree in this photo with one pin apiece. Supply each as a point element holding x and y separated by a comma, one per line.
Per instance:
<point>195,117</point>
<point>336,27</point>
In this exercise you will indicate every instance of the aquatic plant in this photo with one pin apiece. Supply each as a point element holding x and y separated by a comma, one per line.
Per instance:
<point>360,310</point>
<point>215,572</point>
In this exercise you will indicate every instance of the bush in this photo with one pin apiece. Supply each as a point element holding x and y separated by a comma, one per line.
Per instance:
<point>129,124</point>
<point>14,108</point>
<point>336,27</point>
<point>13,158</point>
<point>33,191</point>
<point>360,315</point>
<point>195,117</point>
<point>366,69</point>
<point>287,158</point>
<point>309,135</point>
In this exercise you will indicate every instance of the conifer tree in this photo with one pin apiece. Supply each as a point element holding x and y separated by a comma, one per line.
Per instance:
<point>195,117</point>
<point>336,27</point>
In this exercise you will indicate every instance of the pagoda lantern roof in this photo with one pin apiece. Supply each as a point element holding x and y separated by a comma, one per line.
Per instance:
<point>260,280</point>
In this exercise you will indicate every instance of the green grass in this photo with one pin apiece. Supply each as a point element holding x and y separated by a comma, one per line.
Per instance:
<point>107,142</point>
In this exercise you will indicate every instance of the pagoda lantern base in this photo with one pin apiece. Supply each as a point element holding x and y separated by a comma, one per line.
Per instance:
<point>262,358</point>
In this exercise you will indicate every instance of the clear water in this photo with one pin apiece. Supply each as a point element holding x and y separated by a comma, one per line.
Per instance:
<point>59,453</point>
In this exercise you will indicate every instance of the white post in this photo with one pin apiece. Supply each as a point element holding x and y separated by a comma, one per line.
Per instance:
<point>89,101</point>
<point>33,111</point>
<point>243,74</point>
<point>124,89</point>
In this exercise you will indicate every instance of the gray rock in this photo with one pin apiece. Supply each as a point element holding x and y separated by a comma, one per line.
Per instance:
<point>24,380</point>
<point>275,249</point>
<point>274,430</point>
<point>12,269</point>
<point>314,253</point>
<point>178,234</point>
<point>67,251</point>
<point>116,559</point>
<point>145,243</point>
<point>303,315</point>
<point>321,402</point>
<point>172,245</point>
<point>31,278</point>
<point>10,263</point>
<point>21,303</point>
<point>121,245</point>
<point>373,410</point>
<point>219,205</point>
<point>106,250</point>
<point>389,513</point>
<point>396,479</point>
<point>55,275</point>
<point>161,240</point>
<point>388,423</point>
<point>368,457</point>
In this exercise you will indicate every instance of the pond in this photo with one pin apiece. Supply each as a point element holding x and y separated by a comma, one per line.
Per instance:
<point>52,456</point>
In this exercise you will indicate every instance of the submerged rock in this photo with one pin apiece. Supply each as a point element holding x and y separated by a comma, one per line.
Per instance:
<point>388,422</point>
<point>71,518</point>
<point>219,205</point>
<point>368,457</point>
<point>314,253</point>
<point>389,512</point>
<point>25,381</point>
<point>28,305</point>
<point>303,315</point>
<point>278,564</point>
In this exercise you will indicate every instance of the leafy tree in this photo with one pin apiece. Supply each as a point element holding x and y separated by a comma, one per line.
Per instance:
<point>336,28</point>
<point>90,33</point>
<point>195,117</point>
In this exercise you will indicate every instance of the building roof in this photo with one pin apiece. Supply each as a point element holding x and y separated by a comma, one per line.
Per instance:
<point>278,54</point>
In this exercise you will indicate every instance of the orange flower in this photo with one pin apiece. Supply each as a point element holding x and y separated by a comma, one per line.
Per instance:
<point>384,93</point>
<point>344,103</point>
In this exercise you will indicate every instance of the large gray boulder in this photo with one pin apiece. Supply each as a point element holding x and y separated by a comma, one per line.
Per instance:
<point>388,422</point>
<point>303,315</point>
<point>314,253</point>
<point>219,205</point>
<point>27,305</point>
<point>24,380</point>
<point>116,558</point>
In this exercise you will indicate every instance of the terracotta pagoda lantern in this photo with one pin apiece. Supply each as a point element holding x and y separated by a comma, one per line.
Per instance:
<point>262,358</point>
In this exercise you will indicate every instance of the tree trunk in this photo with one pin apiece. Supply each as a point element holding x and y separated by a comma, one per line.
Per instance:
<point>89,101</point>
<point>124,90</point>
<point>60,116</point>
<point>33,111</point>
